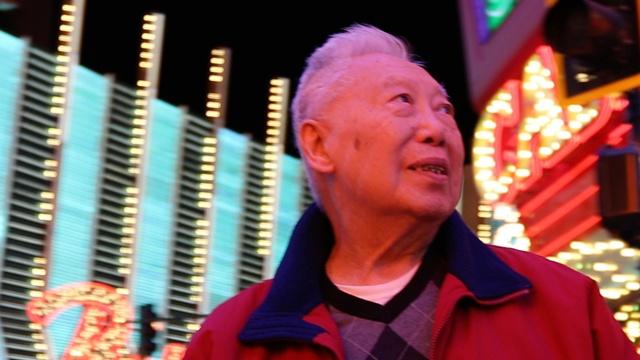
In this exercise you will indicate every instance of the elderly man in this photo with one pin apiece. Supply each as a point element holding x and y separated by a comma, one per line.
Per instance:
<point>382,267</point>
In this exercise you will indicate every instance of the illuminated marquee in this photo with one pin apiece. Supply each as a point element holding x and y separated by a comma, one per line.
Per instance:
<point>524,133</point>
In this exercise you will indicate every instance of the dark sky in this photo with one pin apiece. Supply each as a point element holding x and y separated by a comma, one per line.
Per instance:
<point>266,42</point>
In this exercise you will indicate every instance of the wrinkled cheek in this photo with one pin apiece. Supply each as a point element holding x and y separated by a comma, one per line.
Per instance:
<point>457,191</point>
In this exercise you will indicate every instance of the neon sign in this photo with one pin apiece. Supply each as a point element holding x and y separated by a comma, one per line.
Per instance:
<point>524,133</point>
<point>105,325</point>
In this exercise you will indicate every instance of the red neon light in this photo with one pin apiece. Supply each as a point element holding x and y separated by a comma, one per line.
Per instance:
<point>584,165</point>
<point>174,351</point>
<point>604,115</point>
<point>104,326</point>
<point>513,86</point>
<point>560,212</point>
<point>535,168</point>
<point>617,135</point>
<point>508,126</point>
<point>560,172</point>
<point>502,133</point>
<point>546,54</point>
<point>563,240</point>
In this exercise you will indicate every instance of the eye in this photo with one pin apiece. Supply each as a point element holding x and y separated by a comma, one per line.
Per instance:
<point>404,98</point>
<point>447,108</point>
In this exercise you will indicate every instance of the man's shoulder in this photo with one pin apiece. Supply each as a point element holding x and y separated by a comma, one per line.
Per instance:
<point>218,335</point>
<point>234,312</point>
<point>536,267</point>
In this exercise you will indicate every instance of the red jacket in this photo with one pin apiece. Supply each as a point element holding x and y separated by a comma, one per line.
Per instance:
<point>494,303</point>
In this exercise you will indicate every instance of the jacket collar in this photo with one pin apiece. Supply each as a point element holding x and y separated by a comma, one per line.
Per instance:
<point>295,291</point>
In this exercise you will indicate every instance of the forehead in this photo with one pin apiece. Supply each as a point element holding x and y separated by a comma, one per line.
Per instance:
<point>383,71</point>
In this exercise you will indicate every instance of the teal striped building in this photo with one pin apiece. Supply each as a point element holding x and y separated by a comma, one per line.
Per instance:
<point>87,176</point>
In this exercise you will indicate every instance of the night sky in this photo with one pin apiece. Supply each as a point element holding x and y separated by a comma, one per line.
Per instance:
<point>266,42</point>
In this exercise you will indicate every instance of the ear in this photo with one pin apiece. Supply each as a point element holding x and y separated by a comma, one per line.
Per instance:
<point>313,137</point>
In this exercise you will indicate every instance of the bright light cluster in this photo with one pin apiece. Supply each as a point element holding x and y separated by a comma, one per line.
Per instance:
<point>612,264</point>
<point>629,316</point>
<point>103,330</point>
<point>608,261</point>
<point>543,114</point>
<point>509,232</point>
<point>508,151</point>
<point>276,125</point>
<point>492,180</point>
<point>525,130</point>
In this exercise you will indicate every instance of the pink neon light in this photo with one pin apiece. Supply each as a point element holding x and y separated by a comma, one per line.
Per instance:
<point>560,212</point>
<point>536,164</point>
<point>617,135</point>
<point>505,124</point>
<point>546,54</point>
<point>563,181</point>
<point>604,115</point>
<point>563,240</point>
<point>513,86</point>
<point>568,155</point>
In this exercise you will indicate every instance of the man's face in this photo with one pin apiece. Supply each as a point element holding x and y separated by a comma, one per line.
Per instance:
<point>394,141</point>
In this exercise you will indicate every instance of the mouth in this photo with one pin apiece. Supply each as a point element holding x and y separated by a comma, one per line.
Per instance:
<point>437,167</point>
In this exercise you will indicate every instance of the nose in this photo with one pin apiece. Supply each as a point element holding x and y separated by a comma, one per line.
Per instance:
<point>430,130</point>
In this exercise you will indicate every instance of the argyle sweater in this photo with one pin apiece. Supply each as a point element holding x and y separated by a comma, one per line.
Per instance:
<point>399,329</point>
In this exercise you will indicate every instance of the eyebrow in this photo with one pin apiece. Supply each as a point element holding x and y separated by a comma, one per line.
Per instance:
<point>395,80</point>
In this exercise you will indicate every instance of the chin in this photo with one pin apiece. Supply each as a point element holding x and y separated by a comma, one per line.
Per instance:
<point>433,211</point>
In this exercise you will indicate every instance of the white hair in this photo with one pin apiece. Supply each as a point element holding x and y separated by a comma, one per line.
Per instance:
<point>325,72</point>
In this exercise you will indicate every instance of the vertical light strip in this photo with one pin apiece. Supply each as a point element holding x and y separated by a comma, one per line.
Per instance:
<point>68,49</point>
<point>219,68</point>
<point>67,54</point>
<point>276,125</point>
<point>203,223</point>
<point>67,57</point>
<point>219,65</point>
<point>146,89</point>
<point>76,200</point>
<point>485,214</point>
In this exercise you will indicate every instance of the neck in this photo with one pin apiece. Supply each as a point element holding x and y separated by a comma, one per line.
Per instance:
<point>375,248</point>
